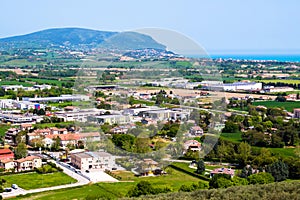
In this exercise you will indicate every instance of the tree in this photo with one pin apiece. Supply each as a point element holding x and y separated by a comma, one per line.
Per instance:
<point>279,170</point>
<point>244,173</point>
<point>280,99</point>
<point>131,100</point>
<point>222,151</point>
<point>260,178</point>
<point>21,151</point>
<point>264,158</point>
<point>230,127</point>
<point>236,181</point>
<point>142,188</point>
<point>220,181</point>
<point>244,152</point>
<point>41,112</point>
<point>142,145</point>
<point>56,143</point>
<point>200,167</point>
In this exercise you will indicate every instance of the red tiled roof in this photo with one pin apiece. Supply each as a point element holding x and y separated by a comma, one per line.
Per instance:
<point>6,154</point>
<point>26,125</point>
<point>65,137</point>
<point>223,171</point>
<point>5,151</point>
<point>90,134</point>
<point>7,160</point>
<point>28,158</point>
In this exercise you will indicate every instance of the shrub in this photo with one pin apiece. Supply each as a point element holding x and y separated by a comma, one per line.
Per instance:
<point>279,170</point>
<point>261,178</point>
<point>220,181</point>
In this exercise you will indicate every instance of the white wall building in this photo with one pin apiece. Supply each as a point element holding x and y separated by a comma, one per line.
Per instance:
<point>92,160</point>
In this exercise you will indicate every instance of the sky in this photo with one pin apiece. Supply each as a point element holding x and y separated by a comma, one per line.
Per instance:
<point>219,26</point>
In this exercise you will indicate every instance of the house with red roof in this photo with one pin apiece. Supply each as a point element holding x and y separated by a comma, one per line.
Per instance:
<point>227,171</point>
<point>28,163</point>
<point>192,145</point>
<point>196,131</point>
<point>65,139</point>
<point>6,154</point>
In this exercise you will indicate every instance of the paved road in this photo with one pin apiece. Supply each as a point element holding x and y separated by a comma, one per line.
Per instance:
<point>80,181</point>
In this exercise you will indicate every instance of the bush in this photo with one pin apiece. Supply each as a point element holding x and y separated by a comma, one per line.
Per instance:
<point>193,187</point>
<point>46,169</point>
<point>261,178</point>
<point>220,181</point>
<point>279,170</point>
<point>145,188</point>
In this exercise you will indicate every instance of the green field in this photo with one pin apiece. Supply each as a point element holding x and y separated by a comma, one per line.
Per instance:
<point>233,137</point>
<point>48,125</point>
<point>175,179</point>
<point>288,105</point>
<point>34,180</point>
<point>285,152</point>
<point>46,81</point>
<point>103,190</point>
<point>15,83</point>
<point>279,80</point>
<point>115,190</point>
<point>237,138</point>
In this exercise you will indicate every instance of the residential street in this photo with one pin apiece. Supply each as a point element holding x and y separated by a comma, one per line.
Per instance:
<point>81,181</point>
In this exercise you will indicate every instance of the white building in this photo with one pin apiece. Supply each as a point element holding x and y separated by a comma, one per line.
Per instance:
<point>92,160</point>
<point>113,119</point>
<point>248,86</point>
<point>81,115</point>
<point>58,99</point>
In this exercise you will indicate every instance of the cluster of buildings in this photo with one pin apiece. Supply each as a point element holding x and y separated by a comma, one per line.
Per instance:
<point>21,87</point>
<point>48,136</point>
<point>7,161</point>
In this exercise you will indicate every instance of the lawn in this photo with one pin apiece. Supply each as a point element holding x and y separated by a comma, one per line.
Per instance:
<point>103,190</point>
<point>34,180</point>
<point>15,83</point>
<point>46,81</point>
<point>114,190</point>
<point>47,125</point>
<point>279,80</point>
<point>285,152</point>
<point>175,179</point>
<point>233,137</point>
<point>80,104</point>
<point>288,105</point>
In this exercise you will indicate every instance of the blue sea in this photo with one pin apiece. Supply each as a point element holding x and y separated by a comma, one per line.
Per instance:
<point>283,58</point>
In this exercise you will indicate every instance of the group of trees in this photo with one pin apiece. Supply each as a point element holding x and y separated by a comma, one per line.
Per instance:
<point>162,97</point>
<point>259,158</point>
<point>265,127</point>
<point>146,188</point>
<point>58,73</point>
<point>275,191</point>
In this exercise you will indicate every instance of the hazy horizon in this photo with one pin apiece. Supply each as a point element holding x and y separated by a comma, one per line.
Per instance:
<point>231,26</point>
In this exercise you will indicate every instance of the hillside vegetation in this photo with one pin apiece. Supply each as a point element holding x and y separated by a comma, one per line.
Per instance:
<point>274,191</point>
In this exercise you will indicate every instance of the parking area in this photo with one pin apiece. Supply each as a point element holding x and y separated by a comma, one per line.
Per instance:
<point>11,191</point>
<point>99,176</point>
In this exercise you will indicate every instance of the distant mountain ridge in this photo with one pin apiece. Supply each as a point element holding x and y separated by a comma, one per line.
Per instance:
<point>80,38</point>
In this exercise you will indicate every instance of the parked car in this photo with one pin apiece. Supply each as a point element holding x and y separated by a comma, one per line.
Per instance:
<point>114,168</point>
<point>87,171</point>
<point>7,189</point>
<point>14,186</point>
